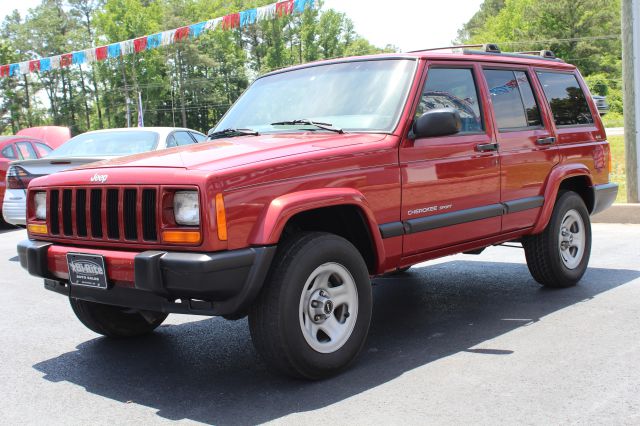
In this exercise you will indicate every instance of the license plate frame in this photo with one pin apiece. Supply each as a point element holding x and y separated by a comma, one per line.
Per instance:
<point>87,270</point>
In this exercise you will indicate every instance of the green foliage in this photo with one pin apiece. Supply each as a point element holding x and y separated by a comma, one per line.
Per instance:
<point>583,32</point>
<point>188,84</point>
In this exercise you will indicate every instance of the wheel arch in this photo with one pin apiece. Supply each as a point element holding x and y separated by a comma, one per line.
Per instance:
<point>342,211</point>
<point>574,177</point>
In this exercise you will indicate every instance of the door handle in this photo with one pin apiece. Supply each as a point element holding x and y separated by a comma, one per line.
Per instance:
<point>484,147</point>
<point>546,141</point>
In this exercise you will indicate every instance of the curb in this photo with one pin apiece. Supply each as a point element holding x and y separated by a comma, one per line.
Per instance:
<point>619,213</point>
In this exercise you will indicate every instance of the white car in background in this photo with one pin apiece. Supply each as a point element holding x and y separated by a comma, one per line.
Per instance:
<point>83,149</point>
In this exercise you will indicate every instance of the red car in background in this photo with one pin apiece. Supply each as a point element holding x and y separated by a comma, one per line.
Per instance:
<point>54,136</point>
<point>14,148</point>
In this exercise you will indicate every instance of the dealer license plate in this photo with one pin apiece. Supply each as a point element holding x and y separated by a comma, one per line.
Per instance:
<point>87,270</point>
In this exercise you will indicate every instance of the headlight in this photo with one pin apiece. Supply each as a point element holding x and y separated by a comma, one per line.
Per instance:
<point>40,201</point>
<point>186,208</point>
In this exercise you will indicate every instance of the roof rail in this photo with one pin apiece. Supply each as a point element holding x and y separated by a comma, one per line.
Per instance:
<point>487,47</point>
<point>542,53</point>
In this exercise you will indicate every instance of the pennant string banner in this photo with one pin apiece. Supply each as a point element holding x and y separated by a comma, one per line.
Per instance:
<point>155,41</point>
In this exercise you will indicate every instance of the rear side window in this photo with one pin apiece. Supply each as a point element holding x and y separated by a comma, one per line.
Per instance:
<point>43,150</point>
<point>183,138</point>
<point>512,98</point>
<point>568,103</point>
<point>453,88</point>
<point>198,137</point>
<point>26,151</point>
<point>8,152</point>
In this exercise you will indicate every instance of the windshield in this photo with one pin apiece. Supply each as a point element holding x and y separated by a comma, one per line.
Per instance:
<point>114,144</point>
<point>354,96</point>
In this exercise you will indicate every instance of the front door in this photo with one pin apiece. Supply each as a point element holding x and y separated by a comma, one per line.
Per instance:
<point>451,184</point>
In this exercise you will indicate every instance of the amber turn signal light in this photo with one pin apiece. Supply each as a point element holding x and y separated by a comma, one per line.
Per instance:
<point>221,218</point>
<point>181,237</point>
<point>37,228</point>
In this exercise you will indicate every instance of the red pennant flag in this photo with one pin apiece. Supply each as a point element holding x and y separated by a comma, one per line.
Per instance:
<point>181,33</point>
<point>140,44</point>
<point>66,59</point>
<point>4,70</point>
<point>34,65</point>
<point>231,21</point>
<point>284,8</point>
<point>101,53</point>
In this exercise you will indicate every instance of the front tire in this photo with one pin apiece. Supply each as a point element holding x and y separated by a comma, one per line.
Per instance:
<point>558,257</point>
<point>312,316</point>
<point>114,321</point>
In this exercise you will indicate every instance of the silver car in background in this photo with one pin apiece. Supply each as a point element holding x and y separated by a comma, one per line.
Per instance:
<point>83,149</point>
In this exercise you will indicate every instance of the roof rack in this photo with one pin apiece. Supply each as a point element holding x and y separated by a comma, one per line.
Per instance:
<point>487,47</point>
<point>492,49</point>
<point>542,53</point>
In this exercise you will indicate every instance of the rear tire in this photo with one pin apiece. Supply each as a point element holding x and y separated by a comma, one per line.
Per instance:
<point>558,257</point>
<point>114,321</point>
<point>312,316</point>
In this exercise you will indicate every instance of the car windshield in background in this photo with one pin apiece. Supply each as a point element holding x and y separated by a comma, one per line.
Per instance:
<point>354,96</point>
<point>107,144</point>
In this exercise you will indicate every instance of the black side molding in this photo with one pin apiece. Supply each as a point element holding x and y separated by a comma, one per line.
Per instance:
<point>421,224</point>
<point>391,229</point>
<point>454,218</point>
<point>523,204</point>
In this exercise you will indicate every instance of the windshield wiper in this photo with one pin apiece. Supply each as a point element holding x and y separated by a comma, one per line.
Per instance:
<point>306,122</point>
<point>230,133</point>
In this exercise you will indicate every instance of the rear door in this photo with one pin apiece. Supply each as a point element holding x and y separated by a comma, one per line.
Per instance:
<point>526,142</point>
<point>451,184</point>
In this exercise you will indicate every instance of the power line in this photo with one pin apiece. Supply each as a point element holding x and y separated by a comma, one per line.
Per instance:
<point>565,40</point>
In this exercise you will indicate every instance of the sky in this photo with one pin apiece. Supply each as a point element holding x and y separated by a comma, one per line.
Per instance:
<point>407,24</point>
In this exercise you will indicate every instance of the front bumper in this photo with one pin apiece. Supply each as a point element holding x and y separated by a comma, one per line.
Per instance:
<point>604,196</point>
<point>222,283</point>
<point>14,207</point>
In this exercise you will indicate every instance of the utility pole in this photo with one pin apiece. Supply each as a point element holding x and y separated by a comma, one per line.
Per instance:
<point>631,83</point>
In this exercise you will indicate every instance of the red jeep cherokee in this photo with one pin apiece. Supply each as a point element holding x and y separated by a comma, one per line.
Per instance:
<point>322,176</point>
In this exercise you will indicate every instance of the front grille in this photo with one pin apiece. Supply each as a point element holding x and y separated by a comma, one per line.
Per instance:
<point>149,227</point>
<point>113,222</point>
<point>106,214</point>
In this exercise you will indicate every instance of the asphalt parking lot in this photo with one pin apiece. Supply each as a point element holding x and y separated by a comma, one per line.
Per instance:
<point>459,340</point>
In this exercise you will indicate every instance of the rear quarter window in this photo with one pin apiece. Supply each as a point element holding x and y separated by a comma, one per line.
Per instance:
<point>566,98</point>
<point>7,152</point>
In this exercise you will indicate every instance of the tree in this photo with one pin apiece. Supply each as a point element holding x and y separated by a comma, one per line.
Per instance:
<point>191,83</point>
<point>583,32</point>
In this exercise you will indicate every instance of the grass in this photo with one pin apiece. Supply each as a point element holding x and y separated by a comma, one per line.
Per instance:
<point>617,168</point>
<point>613,119</point>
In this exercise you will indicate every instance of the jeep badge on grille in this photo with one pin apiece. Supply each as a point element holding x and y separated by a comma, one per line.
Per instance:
<point>99,178</point>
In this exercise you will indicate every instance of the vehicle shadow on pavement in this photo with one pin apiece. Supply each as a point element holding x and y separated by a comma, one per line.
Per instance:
<point>4,228</point>
<point>208,371</point>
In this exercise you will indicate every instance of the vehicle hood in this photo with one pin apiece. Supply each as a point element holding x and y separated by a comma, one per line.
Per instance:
<point>49,165</point>
<point>233,152</point>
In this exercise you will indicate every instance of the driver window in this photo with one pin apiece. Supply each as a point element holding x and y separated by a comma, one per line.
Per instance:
<point>453,88</point>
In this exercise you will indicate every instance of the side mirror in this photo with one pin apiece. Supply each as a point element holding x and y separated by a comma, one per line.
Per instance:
<point>437,122</point>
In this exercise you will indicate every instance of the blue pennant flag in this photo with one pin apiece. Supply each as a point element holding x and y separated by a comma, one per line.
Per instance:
<point>154,41</point>
<point>45,64</point>
<point>78,58</point>
<point>248,17</point>
<point>196,29</point>
<point>299,5</point>
<point>114,50</point>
